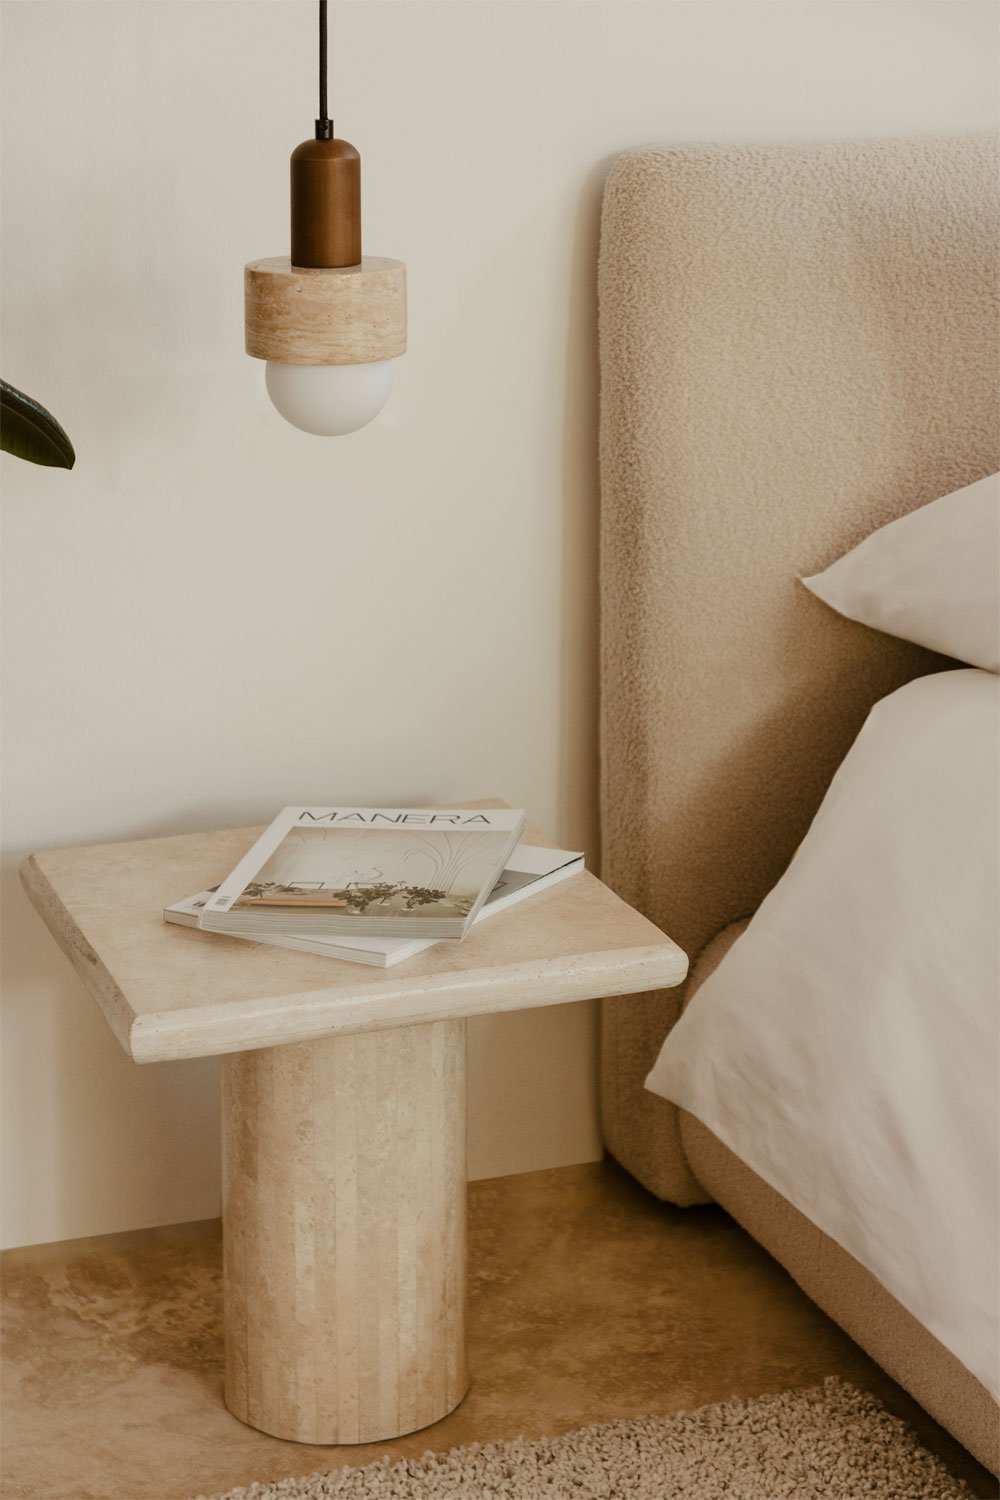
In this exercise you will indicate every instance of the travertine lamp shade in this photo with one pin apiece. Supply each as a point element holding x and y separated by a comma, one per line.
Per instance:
<point>341,315</point>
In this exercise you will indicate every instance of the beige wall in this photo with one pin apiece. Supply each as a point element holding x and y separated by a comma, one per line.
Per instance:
<point>215,614</point>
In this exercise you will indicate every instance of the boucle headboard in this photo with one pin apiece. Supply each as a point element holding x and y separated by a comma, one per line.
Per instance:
<point>797,344</point>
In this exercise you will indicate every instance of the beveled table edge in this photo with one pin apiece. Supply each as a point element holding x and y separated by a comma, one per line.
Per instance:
<point>70,940</point>
<point>287,1019</point>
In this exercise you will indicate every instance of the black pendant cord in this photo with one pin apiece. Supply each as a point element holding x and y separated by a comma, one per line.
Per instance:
<point>324,125</point>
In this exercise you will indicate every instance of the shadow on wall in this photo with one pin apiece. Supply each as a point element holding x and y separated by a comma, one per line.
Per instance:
<point>72,1179</point>
<point>579,650</point>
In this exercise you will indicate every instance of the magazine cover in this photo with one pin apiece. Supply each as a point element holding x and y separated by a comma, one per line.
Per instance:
<point>375,871</point>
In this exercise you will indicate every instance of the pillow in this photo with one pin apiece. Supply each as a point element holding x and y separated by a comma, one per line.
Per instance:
<point>932,577</point>
<point>846,1046</point>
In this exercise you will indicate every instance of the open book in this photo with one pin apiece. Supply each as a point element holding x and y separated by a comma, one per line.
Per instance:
<point>366,872</point>
<point>530,870</point>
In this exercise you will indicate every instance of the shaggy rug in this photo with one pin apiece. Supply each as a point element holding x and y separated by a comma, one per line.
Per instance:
<point>830,1443</point>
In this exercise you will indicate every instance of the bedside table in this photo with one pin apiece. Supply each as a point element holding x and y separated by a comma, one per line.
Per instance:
<point>343,1112</point>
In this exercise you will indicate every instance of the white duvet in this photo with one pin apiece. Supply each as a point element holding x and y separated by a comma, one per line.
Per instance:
<point>847,1046</point>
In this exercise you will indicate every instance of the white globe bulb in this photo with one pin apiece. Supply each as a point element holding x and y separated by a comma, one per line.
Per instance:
<point>329,400</point>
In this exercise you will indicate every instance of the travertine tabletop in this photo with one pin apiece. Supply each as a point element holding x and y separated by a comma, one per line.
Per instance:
<point>170,992</point>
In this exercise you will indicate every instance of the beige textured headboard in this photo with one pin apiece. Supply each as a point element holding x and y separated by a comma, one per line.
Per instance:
<point>798,343</point>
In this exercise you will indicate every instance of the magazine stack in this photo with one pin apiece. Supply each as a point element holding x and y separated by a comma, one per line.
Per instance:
<point>376,885</point>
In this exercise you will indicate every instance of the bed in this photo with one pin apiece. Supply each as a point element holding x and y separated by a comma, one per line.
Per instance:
<point>798,343</point>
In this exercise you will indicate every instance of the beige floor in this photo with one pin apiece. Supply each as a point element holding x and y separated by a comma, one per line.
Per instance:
<point>589,1301</point>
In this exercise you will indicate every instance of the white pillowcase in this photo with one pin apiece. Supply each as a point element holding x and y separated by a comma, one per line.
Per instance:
<point>846,1047</point>
<point>932,577</point>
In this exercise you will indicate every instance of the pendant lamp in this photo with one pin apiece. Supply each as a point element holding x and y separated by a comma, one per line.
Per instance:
<point>327,319</point>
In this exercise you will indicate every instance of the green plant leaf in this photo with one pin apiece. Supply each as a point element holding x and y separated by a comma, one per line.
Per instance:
<point>29,431</point>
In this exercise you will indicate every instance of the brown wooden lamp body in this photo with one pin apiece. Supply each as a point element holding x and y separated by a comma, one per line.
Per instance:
<point>326,205</point>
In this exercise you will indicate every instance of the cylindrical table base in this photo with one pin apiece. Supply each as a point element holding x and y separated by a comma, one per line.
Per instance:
<point>344,1233</point>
